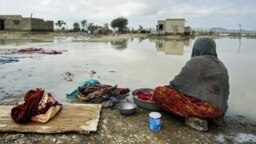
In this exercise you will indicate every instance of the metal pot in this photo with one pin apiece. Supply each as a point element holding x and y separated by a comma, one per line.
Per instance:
<point>127,108</point>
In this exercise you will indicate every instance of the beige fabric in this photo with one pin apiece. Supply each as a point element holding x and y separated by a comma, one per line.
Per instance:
<point>51,112</point>
<point>43,101</point>
<point>43,118</point>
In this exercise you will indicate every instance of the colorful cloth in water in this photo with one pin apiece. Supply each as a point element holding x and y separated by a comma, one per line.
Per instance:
<point>37,50</point>
<point>39,106</point>
<point>4,60</point>
<point>173,101</point>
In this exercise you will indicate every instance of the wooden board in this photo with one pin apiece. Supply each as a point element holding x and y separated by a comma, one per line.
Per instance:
<point>81,118</point>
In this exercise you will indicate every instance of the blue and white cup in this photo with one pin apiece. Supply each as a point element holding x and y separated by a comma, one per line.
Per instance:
<point>155,121</point>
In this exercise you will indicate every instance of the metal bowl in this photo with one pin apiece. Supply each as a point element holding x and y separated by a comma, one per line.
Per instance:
<point>144,103</point>
<point>127,108</point>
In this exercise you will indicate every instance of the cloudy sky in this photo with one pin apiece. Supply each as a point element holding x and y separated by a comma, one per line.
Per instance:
<point>198,13</point>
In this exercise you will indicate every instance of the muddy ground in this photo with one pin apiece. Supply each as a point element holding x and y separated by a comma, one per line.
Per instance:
<point>116,128</point>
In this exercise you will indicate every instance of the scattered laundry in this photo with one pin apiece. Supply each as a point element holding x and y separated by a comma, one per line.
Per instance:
<point>51,52</point>
<point>32,50</point>
<point>29,50</point>
<point>37,50</point>
<point>5,59</point>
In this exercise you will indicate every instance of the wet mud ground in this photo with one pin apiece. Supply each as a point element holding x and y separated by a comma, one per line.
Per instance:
<point>116,128</point>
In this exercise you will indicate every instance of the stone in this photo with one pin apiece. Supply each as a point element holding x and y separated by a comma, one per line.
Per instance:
<point>59,141</point>
<point>197,123</point>
<point>217,121</point>
<point>54,140</point>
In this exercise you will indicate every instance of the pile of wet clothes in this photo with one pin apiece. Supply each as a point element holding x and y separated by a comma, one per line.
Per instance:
<point>92,91</point>
<point>39,106</point>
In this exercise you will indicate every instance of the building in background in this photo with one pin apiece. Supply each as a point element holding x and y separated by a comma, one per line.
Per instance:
<point>19,23</point>
<point>172,26</point>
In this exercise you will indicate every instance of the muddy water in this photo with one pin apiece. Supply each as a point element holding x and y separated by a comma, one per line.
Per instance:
<point>131,63</point>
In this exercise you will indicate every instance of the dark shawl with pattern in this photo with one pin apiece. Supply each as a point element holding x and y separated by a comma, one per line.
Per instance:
<point>204,76</point>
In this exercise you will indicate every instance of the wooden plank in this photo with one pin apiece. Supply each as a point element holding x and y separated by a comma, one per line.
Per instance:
<point>81,118</point>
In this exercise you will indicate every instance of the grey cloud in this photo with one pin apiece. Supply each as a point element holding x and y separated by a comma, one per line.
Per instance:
<point>139,12</point>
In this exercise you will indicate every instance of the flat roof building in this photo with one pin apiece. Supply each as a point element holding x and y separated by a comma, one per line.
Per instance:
<point>19,23</point>
<point>171,26</point>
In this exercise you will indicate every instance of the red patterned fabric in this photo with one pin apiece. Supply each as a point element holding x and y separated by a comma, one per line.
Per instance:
<point>37,102</point>
<point>123,90</point>
<point>23,112</point>
<point>145,95</point>
<point>173,101</point>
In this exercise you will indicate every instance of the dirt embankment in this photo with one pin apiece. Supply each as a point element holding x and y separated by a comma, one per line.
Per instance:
<point>75,36</point>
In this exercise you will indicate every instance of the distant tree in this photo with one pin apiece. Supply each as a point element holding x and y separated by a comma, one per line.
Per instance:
<point>106,28</point>
<point>60,23</point>
<point>120,23</point>
<point>140,28</point>
<point>91,28</point>
<point>76,26</point>
<point>84,24</point>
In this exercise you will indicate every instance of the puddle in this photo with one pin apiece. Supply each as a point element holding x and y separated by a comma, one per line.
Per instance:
<point>135,63</point>
<point>243,137</point>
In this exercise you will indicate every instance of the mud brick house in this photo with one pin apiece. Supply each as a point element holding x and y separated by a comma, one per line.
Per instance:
<point>172,26</point>
<point>19,23</point>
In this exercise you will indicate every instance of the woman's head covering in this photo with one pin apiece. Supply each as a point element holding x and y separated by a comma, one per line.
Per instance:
<point>204,76</point>
<point>204,46</point>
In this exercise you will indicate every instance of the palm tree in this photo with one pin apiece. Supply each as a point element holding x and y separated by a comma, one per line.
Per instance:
<point>140,28</point>
<point>60,23</point>
<point>84,24</point>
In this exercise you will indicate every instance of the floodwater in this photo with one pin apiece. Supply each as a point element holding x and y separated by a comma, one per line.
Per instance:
<point>133,63</point>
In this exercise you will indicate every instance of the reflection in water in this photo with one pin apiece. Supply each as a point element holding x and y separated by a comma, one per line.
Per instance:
<point>171,47</point>
<point>132,39</point>
<point>139,65</point>
<point>239,45</point>
<point>119,45</point>
<point>17,41</point>
<point>141,39</point>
